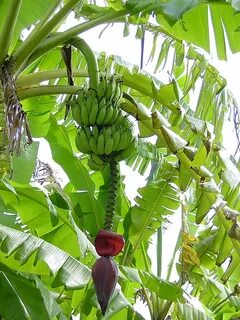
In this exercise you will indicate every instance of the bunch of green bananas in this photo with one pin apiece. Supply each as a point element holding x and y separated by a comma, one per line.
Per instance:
<point>104,132</point>
<point>103,143</point>
<point>91,107</point>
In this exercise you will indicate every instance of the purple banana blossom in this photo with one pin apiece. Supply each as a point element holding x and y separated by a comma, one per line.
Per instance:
<point>105,276</point>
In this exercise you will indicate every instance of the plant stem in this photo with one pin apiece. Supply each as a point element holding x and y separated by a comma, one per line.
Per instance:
<point>150,308</point>
<point>36,29</point>
<point>125,253</point>
<point>29,45</point>
<point>25,93</point>
<point>112,194</point>
<point>165,310</point>
<point>8,27</point>
<point>37,77</point>
<point>92,64</point>
<point>151,304</point>
<point>63,37</point>
<point>159,251</point>
<point>177,245</point>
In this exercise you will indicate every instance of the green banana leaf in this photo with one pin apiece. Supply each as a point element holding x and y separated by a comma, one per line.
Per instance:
<point>25,298</point>
<point>23,246</point>
<point>189,312</point>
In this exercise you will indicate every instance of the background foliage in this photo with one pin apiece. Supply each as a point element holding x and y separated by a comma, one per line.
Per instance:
<point>47,230</point>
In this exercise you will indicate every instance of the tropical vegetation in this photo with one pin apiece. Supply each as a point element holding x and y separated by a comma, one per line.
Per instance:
<point>177,128</point>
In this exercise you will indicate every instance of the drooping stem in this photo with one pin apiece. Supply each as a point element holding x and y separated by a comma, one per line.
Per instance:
<point>62,37</point>
<point>30,44</point>
<point>25,93</point>
<point>92,64</point>
<point>112,194</point>
<point>32,79</point>
<point>8,27</point>
<point>159,251</point>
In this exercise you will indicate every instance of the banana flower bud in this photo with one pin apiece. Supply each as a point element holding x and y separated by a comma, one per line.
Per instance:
<point>105,276</point>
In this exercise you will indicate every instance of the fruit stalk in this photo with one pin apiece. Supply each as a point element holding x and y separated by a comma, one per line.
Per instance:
<point>112,194</point>
<point>92,64</point>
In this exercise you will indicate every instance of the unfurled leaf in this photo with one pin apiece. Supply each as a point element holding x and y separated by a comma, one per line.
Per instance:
<point>164,289</point>
<point>30,299</point>
<point>190,312</point>
<point>154,203</point>
<point>70,272</point>
<point>173,9</point>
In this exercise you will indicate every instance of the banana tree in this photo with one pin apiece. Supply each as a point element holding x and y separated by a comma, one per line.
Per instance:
<point>98,112</point>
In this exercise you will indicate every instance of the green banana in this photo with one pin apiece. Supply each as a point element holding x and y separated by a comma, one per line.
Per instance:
<point>100,143</point>
<point>124,154</point>
<point>109,115</point>
<point>101,116</point>
<point>107,137</point>
<point>76,113</point>
<point>95,166</point>
<point>91,99</point>
<point>117,95</point>
<point>93,145</point>
<point>82,142</point>
<point>95,132</point>
<point>116,138</point>
<point>109,144</point>
<point>84,114</point>
<point>128,139</point>
<point>98,159</point>
<point>122,141</point>
<point>81,96</point>
<point>102,87</point>
<point>102,103</point>
<point>119,118</point>
<point>110,89</point>
<point>87,132</point>
<point>93,111</point>
<point>115,114</point>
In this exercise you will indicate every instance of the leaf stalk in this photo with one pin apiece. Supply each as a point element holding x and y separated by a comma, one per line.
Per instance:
<point>30,44</point>
<point>8,27</point>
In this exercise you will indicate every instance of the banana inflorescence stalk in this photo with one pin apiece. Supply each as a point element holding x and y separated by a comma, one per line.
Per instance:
<point>105,134</point>
<point>112,195</point>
